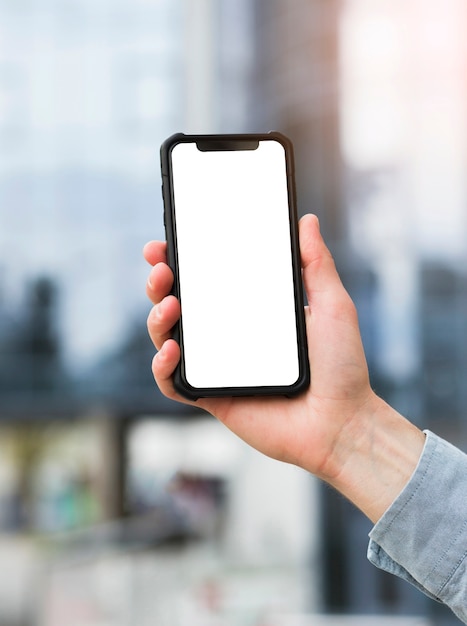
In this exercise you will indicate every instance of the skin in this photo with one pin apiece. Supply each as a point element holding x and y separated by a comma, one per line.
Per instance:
<point>339,430</point>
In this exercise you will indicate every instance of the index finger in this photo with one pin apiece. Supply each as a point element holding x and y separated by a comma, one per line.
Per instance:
<point>155,252</point>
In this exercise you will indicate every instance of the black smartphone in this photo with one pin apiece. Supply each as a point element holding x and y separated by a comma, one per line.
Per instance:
<point>232,239</point>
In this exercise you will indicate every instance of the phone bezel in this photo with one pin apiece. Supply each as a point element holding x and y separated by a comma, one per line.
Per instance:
<point>229,142</point>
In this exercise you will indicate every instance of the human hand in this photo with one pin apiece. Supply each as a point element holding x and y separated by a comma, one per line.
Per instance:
<point>303,430</point>
<point>338,429</point>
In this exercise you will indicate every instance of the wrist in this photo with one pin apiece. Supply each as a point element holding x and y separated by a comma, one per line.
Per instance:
<point>375,457</point>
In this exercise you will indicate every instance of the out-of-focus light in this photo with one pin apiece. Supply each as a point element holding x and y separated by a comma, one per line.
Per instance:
<point>371,59</point>
<point>200,447</point>
<point>404,94</point>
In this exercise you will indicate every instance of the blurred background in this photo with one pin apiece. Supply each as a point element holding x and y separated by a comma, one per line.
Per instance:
<point>121,508</point>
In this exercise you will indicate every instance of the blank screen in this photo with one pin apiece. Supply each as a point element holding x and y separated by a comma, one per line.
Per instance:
<point>235,266</point>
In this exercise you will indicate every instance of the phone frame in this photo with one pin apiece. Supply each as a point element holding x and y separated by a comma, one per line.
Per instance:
<point>233,142</point>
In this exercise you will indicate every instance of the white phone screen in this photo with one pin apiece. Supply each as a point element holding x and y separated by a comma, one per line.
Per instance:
<point>235,266</point>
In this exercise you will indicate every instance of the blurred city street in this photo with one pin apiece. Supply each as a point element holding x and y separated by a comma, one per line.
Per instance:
<point>119,507</point>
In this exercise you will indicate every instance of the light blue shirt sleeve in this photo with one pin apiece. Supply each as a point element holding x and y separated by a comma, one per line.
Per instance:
<point>422,537</point>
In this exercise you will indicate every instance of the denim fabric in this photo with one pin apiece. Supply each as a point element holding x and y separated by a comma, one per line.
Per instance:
<point>422,537</point>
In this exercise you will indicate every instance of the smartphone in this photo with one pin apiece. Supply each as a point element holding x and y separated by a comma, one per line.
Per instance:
<point>232,242</point>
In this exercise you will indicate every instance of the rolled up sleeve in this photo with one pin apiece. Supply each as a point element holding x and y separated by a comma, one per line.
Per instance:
<point>422,537</point>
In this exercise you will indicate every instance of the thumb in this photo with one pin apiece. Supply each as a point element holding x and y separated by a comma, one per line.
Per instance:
<point>320,276</point>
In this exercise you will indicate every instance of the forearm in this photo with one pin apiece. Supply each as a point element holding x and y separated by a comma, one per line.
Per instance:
<point>375,456</point>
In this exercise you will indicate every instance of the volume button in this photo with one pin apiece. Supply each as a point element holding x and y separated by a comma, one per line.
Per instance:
<point>163,201</point>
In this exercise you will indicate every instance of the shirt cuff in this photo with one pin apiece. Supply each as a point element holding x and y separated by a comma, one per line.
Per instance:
<point>422,537</point>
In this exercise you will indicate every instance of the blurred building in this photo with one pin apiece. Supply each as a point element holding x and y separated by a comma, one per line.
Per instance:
<point>87,94</point>
<point>86,97</point>
<point>443,338</point>
<point>295,89</point>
